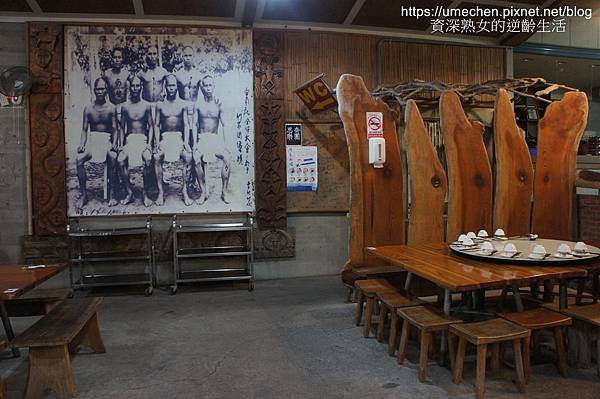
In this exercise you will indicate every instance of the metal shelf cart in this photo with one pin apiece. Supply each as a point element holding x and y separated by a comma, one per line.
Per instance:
<point>82,258</point>
<point>210,253</point>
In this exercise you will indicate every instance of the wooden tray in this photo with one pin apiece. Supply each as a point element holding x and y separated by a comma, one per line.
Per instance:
<point>524,245</point>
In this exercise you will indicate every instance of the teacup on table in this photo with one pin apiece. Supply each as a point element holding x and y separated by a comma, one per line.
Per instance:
<point>486,249</point>
<point>499,234</point>
<point>538,252</point>
<point>563,251</point>
<point>471,235</point>
<point>509,250</point>
<point>580,248</point>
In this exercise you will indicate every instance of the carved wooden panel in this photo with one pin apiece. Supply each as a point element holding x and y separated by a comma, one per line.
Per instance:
<point>559,133</point>
<point>469,170</point>
<point>269,138</point>
<point>376,195</point>
<point>47,145</point>
<point>275,243</point>
<point>428,182</point>
<point>514,171</point>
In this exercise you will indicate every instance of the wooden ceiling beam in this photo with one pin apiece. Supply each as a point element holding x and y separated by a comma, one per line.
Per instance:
<point>514,39</point>
<point>354,11</point>
<point>249,15</point>
<point>138,6</point>
<point>35,7</point>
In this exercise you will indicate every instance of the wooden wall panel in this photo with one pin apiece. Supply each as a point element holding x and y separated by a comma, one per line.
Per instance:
<point>269,145</point>
<point>47,140</point>
<point>308,54</point>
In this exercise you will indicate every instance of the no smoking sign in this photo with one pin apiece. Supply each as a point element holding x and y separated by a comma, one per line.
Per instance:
<point>374,124</point>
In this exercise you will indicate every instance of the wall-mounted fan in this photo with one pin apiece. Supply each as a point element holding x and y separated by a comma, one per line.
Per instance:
<point>15,81</point>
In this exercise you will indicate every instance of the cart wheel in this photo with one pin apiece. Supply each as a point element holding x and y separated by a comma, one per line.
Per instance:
<point>251,285</point>
<point>148,291</point>
<point>173,289</point>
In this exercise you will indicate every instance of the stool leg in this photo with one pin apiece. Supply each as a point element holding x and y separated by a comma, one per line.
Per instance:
<point>360,302</point>
<point>559,341</point>
<point>369,315</point>
<point>495,366</point>
<point>393,332</point>
<point>382,319</point>
<point>460,360</point>
<point>424,355</point>
<point>527,359</point>
<point>403,341</point>
<point>598,353</point>
<point>452,350</point>
<point>518,365</point>
<point>480,374</point>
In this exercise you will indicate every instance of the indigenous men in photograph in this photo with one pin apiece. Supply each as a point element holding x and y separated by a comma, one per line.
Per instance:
<point>210,143</point>
<point>117,77</point>
<point>98,134</point>
<point>136,132</point>
<point>172,123</point>
<point>188,77</point>
<point>153,78</point>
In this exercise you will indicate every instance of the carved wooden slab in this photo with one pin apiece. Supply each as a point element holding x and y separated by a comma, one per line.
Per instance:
<point>469,170</point>
<point>47,142</point>
<point>275,243</point>
<point>559,132</point>
<point>269,144</point>
<point>514,171</point>
<point>428,181</point>
<point>376,201</point>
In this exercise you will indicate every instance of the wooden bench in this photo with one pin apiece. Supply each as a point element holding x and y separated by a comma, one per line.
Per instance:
<point>68,326</point>
<point>37,302</point>
<point>8,367</point>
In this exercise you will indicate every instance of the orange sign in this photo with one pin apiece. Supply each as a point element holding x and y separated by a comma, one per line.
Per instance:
<point>316,95</point>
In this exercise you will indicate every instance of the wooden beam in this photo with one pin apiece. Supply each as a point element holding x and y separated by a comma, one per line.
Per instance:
<point>240,5</point>
<point>260,9</point>
<point>138,6</point>
<point>35,7</point>
<point>249,13</point>
<point>354,11</point>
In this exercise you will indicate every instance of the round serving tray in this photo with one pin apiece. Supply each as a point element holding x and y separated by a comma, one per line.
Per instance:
<point>525,246</point>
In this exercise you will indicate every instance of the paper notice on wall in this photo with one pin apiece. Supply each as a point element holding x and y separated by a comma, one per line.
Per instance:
<point>4,101</point>
<point>302,172</point>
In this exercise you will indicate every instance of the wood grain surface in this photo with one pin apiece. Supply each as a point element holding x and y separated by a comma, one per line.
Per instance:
<point>435,262</point>
<point>376,195</point>
<point>559,132</point>
<point>18,276</point>
<point>469,170</point>
<point>428,182</point>
<point>514,171</point>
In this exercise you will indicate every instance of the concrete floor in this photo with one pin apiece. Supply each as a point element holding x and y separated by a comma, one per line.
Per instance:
<point>291,338</point>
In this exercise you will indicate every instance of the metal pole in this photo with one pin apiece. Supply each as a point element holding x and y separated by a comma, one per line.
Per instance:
<point>447,302</point>
<point>518,300</point>
<point>8,328</point>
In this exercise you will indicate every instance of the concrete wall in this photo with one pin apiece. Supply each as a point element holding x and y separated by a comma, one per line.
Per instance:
<point>13,150</point>
<point>579,32</point>
<point>321,239</point>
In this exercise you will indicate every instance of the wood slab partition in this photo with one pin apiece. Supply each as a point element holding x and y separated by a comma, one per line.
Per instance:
<point>559,132</point>
<point>469,170</point>
<point>376,200</point>
<point>514,171</point>
<point>428,181</point>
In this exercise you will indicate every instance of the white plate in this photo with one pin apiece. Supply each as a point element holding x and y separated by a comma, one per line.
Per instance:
<point>561,256</point>
<point>485,253</point>
<point>507,254</point>
<point>537,257</point>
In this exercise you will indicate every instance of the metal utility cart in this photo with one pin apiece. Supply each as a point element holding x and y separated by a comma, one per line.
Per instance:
<point>83,257</point>
<point>219,246</point>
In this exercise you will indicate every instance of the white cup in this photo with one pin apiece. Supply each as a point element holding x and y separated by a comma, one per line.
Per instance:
<point>564,249</point>
<point>482,234</point>
<point>499,233</point>
<point>486,248</point>
<point>471,235</point>
<point>510,248</point>
<point>580,247</point>
<point>538,251</point>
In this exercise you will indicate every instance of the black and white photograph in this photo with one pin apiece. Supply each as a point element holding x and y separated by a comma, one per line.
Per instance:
<point>158,120</point>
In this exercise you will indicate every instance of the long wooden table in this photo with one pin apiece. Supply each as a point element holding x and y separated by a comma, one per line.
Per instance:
<point>436,263</point>
<point>15,280</point>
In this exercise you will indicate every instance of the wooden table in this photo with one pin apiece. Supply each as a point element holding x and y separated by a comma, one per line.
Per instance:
<point>437,263</point>
<point>15,280</point>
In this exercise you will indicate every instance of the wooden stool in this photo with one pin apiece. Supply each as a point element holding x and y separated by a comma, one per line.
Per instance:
<point>539,319</point>
<point>585,330</point>
<point>391,302</point>
<point>368,289</point>
<point>481,334</point>
<point>427,320</point>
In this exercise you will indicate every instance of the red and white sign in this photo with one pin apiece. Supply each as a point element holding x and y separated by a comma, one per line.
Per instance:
<point>374,124</point>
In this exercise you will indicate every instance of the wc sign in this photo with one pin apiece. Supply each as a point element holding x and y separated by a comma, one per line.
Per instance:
<point>374,124</point>
<point>316,95</point>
